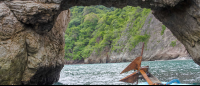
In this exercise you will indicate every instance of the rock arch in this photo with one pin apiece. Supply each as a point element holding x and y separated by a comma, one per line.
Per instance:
<point>32,40</point>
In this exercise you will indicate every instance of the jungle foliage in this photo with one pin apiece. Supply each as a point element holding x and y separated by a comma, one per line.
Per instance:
<point>92,28</point>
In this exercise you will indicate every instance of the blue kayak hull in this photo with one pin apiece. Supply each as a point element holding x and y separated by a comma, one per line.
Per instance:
<point>146,83</point>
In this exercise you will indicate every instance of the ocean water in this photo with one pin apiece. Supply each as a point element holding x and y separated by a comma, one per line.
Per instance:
<point>186,71</point>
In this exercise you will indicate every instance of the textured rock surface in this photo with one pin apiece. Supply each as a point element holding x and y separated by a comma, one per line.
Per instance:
<point>65,4</point>
<point>40,16</point>
<point>27,54</point>
<point>183,21</point>
<point>13,53</point>
<point>23,22</point>
<point>45,53</point>
<point>157,48</point>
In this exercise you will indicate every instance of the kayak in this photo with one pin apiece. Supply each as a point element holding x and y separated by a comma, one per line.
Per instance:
<point>146,83</point>
<point>144,74</point>
<point>172,82</point>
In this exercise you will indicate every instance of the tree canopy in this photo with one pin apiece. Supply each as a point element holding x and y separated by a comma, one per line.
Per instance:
<point>92,28</point>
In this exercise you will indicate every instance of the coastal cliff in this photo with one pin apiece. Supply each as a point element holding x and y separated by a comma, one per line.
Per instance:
<point>161,45</point>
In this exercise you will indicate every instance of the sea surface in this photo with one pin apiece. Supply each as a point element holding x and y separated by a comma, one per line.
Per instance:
<point>186,71</point>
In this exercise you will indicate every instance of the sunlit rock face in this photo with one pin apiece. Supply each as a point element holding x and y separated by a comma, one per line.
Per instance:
<point>183,21</point>
<point>159,46</point>
<point>32,33</point>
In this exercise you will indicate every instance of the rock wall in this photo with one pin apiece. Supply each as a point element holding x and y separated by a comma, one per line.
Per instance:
<point>65,4</point>
<point>13,52</point>
<point>30,51</point>
<point>157,48</point>
<point>183,21</point>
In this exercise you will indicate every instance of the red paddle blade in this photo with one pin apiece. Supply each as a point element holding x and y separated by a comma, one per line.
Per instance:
<point>135,76</point>
<point>135,64</point>
<point>131,78</point>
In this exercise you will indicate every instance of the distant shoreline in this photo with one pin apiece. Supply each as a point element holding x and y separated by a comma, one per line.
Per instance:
<point>183,58</point>
<point>179,58</point>
<point>82,62</point>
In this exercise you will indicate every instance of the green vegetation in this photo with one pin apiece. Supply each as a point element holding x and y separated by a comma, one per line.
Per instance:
<point>137,39</point>
<point>173,43</point>
<point>93,28</point>
<point>163,29</point>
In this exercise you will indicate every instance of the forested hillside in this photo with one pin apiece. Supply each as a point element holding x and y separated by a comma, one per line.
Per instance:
<point>93,28</point>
